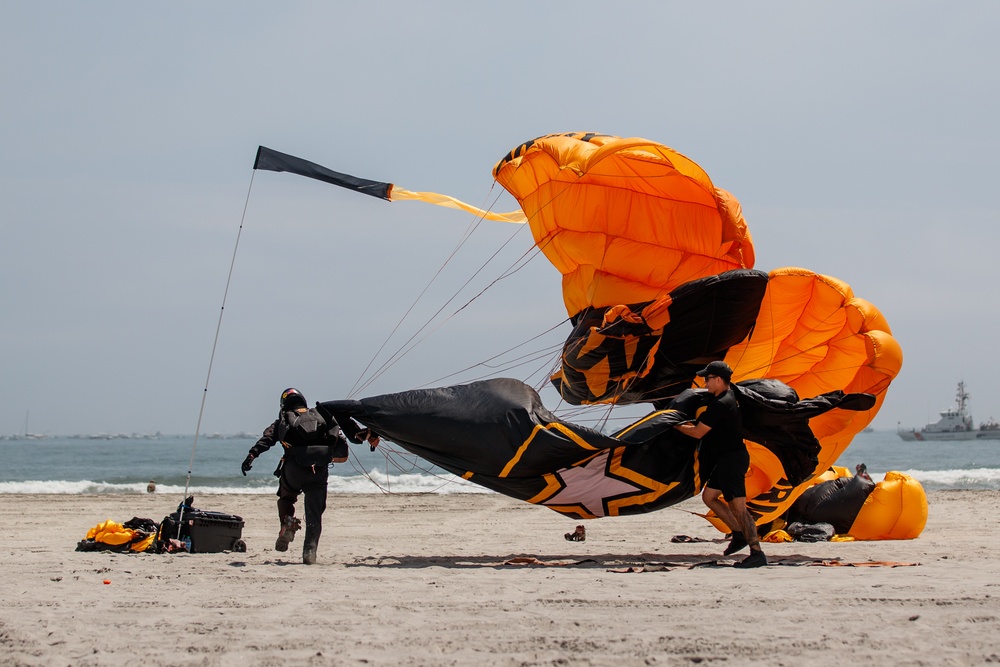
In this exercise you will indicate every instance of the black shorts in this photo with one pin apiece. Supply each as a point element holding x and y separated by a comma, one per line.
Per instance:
<point>725,471</point>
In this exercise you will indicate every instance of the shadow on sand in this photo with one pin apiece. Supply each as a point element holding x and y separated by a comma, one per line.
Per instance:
<point>614,562</point>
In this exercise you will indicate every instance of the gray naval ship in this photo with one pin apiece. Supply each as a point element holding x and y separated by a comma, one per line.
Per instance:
<point>955,424</point>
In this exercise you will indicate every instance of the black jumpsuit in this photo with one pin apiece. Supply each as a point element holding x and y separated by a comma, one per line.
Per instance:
<point>295,476</point>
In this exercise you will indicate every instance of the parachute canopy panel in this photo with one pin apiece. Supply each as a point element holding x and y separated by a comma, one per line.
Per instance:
<point>624,220</point>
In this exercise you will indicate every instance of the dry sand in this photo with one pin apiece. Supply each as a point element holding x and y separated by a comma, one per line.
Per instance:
<point>422,580</point>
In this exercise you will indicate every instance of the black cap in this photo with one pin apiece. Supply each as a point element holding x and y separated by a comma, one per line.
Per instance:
<point>719,368</point>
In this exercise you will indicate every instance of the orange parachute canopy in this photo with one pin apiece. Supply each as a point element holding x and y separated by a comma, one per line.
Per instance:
<point>813,334</point>
<point>624,220</point>
<point>632,225</point>
<point>636,229</point>
<point>895,510</point>
<point>860,509</point>
<point>653,256</point>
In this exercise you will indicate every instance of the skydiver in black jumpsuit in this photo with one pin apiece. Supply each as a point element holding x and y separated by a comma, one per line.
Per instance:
<point>304,469</point>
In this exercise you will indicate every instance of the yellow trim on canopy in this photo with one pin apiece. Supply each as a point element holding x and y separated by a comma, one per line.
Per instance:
<point>399,194</point>
<point>656,489</point>
<point>552,486</point>
<point>535,431</point>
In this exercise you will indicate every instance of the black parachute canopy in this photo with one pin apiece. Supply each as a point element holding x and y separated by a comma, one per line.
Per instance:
<point>498,434</point>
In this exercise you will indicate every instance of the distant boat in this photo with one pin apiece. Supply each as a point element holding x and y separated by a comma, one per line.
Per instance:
<point>27,434</point>
<point>955,424</point>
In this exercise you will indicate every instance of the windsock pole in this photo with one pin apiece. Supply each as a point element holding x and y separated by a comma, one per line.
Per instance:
<point>211,361</point>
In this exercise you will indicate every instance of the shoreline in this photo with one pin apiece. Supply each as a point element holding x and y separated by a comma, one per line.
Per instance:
<point>469,579</point>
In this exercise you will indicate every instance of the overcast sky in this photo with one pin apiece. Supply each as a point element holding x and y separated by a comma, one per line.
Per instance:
<point>860,138</point>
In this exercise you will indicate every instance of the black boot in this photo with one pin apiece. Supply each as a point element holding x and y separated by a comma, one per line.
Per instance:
<point>735,544</point>
<point>286,533</point>
<point>755,559</point>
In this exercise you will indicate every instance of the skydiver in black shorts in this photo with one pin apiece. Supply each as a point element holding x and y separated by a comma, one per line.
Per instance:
<point>724,461</point>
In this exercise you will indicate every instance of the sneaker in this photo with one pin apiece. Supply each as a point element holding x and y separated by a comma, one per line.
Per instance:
<point>309,555</point>
<point>735,544</point>
<point>755,559</point>
<point>287,533</point>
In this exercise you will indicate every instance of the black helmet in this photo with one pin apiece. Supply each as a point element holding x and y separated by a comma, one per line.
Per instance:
<point>292,398</point>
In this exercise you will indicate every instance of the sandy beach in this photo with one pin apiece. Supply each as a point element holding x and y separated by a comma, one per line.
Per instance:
<point>483,579</point>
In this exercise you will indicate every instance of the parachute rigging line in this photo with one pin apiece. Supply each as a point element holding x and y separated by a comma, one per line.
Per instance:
<point>392,457</point>
<point>544,354</point>
<point>465,237</point>
<point>404,350</point>
<point>211,359</point>
<point>485,362</point>
<point>514,268</point>
<point>271,160</point>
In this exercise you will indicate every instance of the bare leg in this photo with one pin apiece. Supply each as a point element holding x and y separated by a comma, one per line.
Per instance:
<point>745,521</point>
<point>713,500</point>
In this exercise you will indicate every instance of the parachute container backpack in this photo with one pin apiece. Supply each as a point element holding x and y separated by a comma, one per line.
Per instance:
<point>308,439</point>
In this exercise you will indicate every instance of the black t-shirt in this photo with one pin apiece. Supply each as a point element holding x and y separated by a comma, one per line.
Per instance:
<point>723,416</point>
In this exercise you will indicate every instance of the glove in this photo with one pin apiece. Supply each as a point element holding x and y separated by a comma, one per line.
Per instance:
<point>371,438</point>
<point>247,464</point>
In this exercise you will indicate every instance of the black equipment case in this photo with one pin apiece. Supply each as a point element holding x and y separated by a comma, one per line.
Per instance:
<point>209,532</point>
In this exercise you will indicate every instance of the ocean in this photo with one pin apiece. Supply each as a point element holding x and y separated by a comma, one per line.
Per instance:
<point>79,465</point>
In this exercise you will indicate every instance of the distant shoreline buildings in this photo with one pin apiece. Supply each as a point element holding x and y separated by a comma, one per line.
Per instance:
<point>243,435</point>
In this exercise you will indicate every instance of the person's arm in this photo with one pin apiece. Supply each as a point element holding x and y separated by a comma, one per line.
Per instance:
<point>266,440</point>
<point>340,448</point>
<point>262,445</point>
<point>706,420</point>
<point>695,430</point>
<point>354,430</point>
<point>365,434</point>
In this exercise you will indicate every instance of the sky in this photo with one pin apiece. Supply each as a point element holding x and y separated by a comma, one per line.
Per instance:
<point>859,137</point>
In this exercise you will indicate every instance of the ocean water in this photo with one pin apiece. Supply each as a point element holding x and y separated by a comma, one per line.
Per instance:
<point>125,465</point>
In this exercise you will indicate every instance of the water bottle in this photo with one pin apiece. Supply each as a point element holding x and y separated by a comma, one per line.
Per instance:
<point>187,543</point>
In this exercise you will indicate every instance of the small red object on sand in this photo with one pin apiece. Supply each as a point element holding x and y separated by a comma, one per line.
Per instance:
<point>107,581</point>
